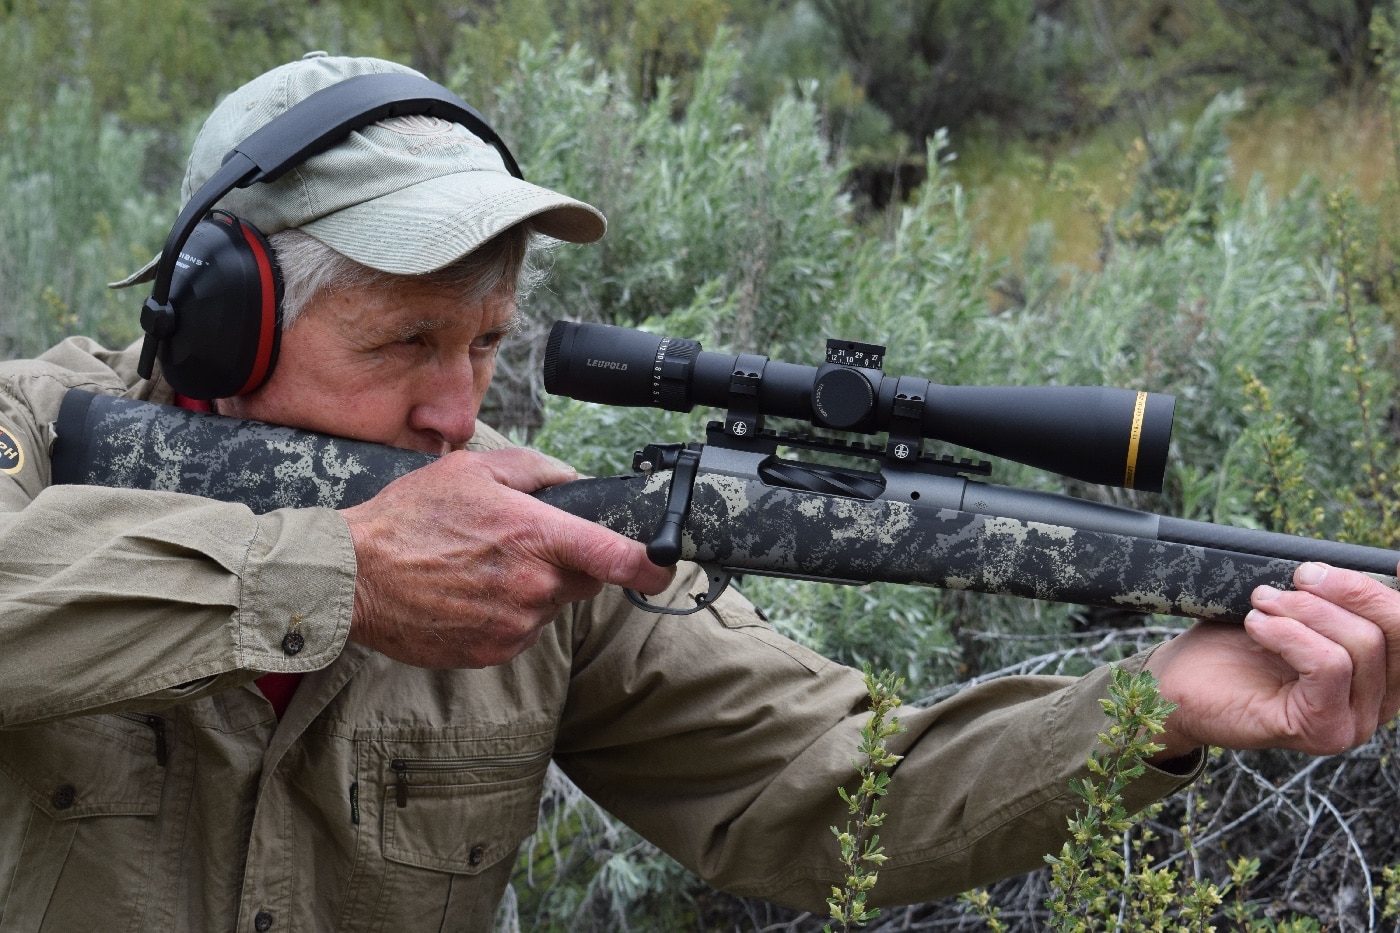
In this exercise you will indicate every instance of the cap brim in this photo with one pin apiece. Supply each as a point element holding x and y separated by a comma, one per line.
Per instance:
<point>146,273</point>
<point>427,226</point>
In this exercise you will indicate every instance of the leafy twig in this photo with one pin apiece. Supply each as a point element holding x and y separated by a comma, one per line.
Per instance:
<point>861,852</point>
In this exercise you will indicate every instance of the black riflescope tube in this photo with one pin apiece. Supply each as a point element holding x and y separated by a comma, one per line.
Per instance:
<point>1096,434</point>
<point>635,369</point>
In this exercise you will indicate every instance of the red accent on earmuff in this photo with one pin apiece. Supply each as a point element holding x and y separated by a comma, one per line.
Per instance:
<point>267,333</point>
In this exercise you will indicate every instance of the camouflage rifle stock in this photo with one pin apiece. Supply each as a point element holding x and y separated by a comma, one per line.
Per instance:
<point>738,511</point>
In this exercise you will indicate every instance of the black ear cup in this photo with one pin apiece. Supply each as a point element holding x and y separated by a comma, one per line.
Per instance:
<point>229,291</point>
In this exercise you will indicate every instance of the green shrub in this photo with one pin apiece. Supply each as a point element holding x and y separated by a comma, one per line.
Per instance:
<point>73,215</point>
<point>1242,306</point>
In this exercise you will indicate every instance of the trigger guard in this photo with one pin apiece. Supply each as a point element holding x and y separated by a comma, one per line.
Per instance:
<point>719,582</point>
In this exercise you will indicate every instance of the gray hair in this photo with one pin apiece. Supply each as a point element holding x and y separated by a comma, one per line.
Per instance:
<point>509,262</point>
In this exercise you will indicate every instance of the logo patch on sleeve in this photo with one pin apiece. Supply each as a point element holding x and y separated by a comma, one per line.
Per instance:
<point>11,454</point>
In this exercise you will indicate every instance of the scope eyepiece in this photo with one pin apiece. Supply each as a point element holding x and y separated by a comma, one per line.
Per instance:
<point>618,366</point>
<point>1117,437</point>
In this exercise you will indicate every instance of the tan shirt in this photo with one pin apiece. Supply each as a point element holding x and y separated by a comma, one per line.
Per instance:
<point>146,784</point>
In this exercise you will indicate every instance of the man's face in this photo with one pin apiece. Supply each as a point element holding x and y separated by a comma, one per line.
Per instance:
<point>406,368</point>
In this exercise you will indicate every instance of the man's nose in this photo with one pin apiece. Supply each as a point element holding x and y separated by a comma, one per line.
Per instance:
<point>448,404</point>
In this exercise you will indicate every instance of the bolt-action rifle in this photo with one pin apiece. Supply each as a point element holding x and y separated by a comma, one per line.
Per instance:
<point>742,504</point>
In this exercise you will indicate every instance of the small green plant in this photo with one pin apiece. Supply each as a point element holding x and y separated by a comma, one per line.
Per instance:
<point>1093,885</point>
<point>1281,492</point>
<point>1182,184</point>
<point>1370,514</point>
<point>1390,892</point>
<point>861,852</point>
<point>979,902</point>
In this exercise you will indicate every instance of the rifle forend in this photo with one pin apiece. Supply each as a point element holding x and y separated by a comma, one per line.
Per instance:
<point>745,513</point>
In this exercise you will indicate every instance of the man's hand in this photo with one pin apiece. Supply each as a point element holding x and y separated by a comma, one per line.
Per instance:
<point>458,567</point>
<point>1314,670</point>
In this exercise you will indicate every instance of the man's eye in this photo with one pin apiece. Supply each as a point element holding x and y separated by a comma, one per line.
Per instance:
<point>487,341</point>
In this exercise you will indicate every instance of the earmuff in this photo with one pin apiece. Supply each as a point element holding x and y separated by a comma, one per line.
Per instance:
<point>214,317</point>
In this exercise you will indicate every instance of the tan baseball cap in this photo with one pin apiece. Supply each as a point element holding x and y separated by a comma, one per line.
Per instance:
<point>404,195</point>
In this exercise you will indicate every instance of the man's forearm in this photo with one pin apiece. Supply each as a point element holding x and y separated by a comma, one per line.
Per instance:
<point>112,596</point>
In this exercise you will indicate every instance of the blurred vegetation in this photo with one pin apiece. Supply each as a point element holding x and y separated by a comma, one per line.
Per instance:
<point>1193,197</point>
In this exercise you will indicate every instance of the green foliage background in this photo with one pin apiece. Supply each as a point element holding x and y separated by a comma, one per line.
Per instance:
<point>774,175</point>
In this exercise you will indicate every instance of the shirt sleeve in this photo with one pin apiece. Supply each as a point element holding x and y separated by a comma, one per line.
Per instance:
<point>724,743</point>
<point>113,597</point>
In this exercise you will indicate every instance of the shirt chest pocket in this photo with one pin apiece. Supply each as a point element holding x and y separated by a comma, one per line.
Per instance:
<point>450,817</point>
<point>79,805</point>
<point>111,765</point>
<point>461,814</point>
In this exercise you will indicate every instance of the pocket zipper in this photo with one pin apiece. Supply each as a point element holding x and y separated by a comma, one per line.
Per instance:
<point>402,766</point>
<point>157,726</point>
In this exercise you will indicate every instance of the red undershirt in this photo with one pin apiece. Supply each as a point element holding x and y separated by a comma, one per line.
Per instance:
<point>278,688</point>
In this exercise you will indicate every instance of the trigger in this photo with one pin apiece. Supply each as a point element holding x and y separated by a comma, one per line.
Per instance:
<point>718,579</point>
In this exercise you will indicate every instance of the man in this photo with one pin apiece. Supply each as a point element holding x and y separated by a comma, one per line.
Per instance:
<point>320,720</point>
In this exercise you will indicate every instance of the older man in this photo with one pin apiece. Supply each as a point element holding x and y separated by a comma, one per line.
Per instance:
<point>321,720</point>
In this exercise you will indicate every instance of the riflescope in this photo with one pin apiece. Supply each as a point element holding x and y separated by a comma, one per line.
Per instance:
<point>1096,434</point>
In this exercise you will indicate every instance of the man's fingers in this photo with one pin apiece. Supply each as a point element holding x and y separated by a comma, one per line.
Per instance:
<point>521,469</point>
<point>604,555</point>
<point>1361,639</point>
<point>1372,601</point>
<point>1359,614</point>
<point>1318,710</point>
<point>1356,592</point>
<point>581,545</point>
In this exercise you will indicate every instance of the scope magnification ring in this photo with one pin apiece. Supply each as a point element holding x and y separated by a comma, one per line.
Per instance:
<point>671,372</point>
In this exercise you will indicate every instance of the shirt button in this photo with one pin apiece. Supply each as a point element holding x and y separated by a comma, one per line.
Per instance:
<point>63,796</point>
<point>292,642</point>
<point>262,921</point>
<point>475,856</point>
